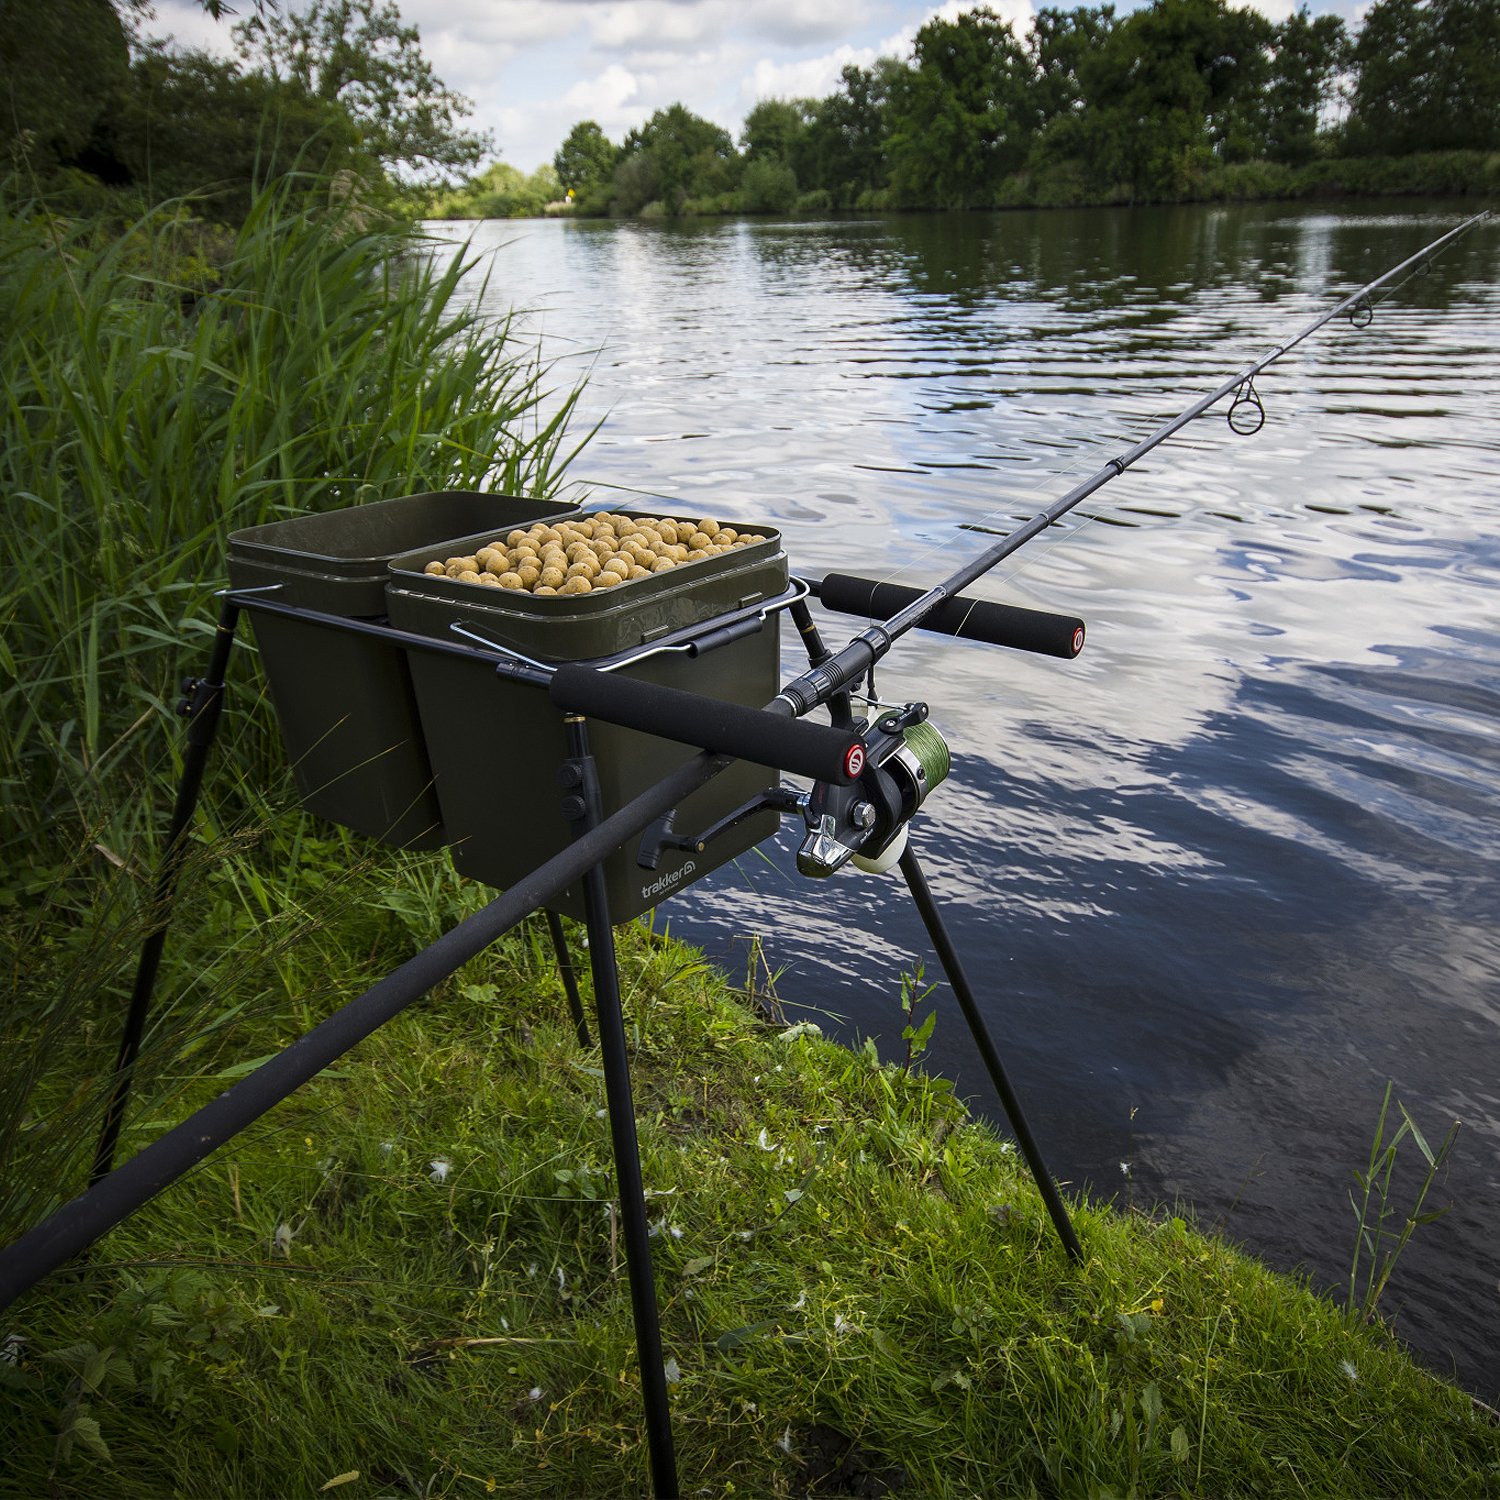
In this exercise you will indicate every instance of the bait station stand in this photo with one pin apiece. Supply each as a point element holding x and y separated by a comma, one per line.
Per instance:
<point>868,781</point>
<point>869,774</point>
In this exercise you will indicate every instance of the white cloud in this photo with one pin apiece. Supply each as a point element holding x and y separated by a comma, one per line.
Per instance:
<point>614,88</point>
<point>485,23</point>
<point>794,23</point>
<point>612,98</point>
<point>191,26</point>
<point>1272,10</point>
<point>1018,12</point>
<point>660,24</point>
<point>669,23</point>
<point>811,78</point>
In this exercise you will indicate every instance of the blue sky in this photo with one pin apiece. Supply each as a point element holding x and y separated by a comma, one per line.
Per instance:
<point>535,67</point>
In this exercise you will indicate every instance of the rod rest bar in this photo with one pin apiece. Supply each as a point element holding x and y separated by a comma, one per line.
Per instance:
<point>754,734</point>
<point>969,619</point>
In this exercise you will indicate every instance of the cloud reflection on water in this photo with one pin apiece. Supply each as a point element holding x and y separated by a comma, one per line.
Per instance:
<point>1236,865</point>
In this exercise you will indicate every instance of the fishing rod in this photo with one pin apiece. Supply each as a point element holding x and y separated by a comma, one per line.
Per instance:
<point>849,665</point>
<point>898,758</point>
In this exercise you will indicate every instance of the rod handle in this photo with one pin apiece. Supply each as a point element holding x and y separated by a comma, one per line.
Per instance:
<point>969,619</point>
<point>753,734</point>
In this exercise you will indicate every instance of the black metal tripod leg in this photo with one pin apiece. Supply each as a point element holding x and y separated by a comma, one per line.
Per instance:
<point>569,977</point>
<point>202,702</point>
<point>932,919</point>
<point>582,783</point>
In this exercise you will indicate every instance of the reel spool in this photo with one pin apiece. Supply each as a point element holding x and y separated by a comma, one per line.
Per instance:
<point>907,760</point>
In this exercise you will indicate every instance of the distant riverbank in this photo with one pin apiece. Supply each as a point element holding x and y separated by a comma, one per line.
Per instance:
<point>505,193</point>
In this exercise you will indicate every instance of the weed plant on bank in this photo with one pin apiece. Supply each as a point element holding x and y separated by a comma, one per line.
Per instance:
<point>408,1277</point>
<point>153,403</point>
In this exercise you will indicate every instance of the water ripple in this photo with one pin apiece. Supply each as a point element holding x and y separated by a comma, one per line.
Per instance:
<point>1236,866</point>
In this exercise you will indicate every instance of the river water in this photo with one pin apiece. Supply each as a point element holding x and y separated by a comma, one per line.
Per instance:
<point>1237,866</point>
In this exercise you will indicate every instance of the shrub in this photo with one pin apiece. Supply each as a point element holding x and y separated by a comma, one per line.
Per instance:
<point>637,183</point>
<point>154,403</point>
<point>768,187</point>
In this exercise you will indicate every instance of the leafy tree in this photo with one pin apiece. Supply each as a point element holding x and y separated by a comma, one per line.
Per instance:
<point>63,65</point>
<point>967,113</point>
<point>586,159</point>
<point>637,183</point>
<point>1428,77</point>
<point>775,130</point>
<point>690,157</point>
<point>1174,87</point>
<point>1310,54</point>
<point>1058,43</point>
<point>192,122</point>
<point>769,185</point>
<point>500,192</point>
<point>843,151</point>
<point>358,55</point>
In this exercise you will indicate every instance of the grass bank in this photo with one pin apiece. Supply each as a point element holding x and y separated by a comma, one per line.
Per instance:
<point>405,1280</point>
<point>1428,174</point>
<point>410,1270</point>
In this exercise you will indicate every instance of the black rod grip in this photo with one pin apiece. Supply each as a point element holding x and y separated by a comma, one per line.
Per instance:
<point>969,619</point>
<point>751,734</point>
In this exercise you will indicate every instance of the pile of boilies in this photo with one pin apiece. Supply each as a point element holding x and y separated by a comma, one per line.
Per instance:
<point>598,552</point>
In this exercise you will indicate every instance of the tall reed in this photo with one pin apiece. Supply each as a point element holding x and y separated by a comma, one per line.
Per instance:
<point>328,363</point>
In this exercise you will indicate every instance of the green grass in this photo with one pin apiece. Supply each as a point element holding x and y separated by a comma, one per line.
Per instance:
<point>154,401</point>
<point>839,1244</point>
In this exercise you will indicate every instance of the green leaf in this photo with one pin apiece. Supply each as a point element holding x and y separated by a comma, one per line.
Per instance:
<point>14,1379</point>
<point>1417,1136</point>
<point>736,1337</point>
<point>75,1357</point>
<point>1179,1444</point>
<point>1151,1404</point>
<point>698,1266</point>
<point>83,1429</point>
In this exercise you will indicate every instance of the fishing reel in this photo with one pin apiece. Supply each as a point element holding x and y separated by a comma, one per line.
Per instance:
<point>906,759</point>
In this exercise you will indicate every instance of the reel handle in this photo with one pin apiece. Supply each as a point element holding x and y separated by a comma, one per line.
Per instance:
<point>754,734</point>
<point>969,619</point>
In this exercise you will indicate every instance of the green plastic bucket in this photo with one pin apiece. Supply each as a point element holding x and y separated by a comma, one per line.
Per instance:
<point>345,703</point>
<point>496,744</point>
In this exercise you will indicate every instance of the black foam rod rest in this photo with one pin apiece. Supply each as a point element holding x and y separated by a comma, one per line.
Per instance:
<point>752,734</point>
<point>970,619</point>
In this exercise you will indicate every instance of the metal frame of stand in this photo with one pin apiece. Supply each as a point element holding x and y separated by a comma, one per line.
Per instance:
<point>583,808</point>
<point>114,1194</point>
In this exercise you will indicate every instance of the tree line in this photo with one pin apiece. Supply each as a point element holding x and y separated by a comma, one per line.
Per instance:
<point>1085,106</point>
